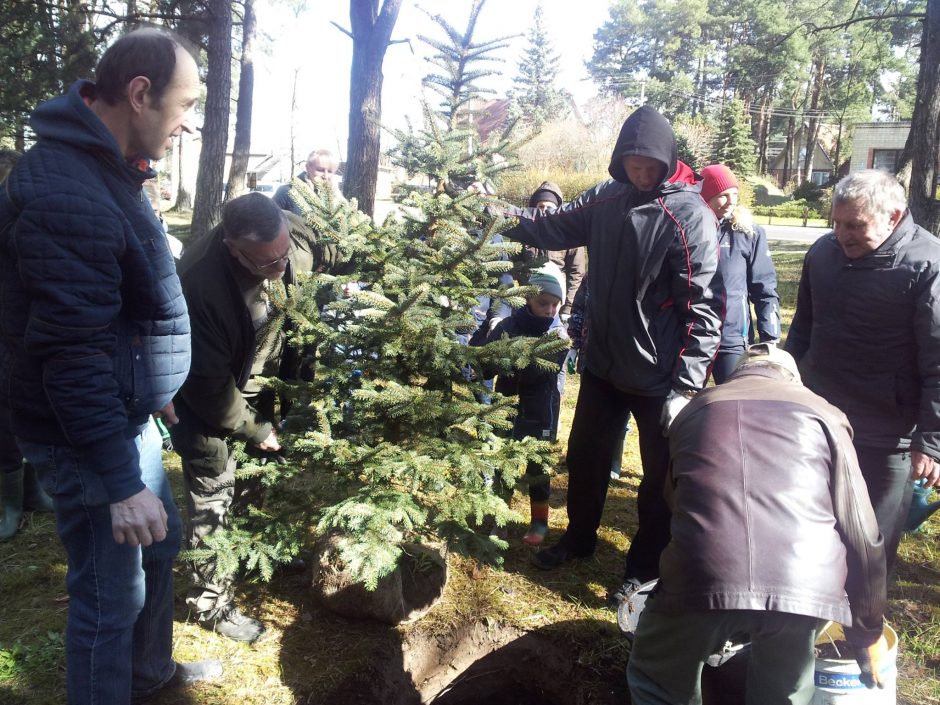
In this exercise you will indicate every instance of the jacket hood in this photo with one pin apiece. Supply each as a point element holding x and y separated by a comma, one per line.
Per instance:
<point>684,175</point>
<point>68,119</point>
<point>645,133</point>
<point>547,190</point>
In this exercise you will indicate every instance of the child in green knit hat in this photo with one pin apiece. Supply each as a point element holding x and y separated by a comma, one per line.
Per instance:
<point>539,390</point>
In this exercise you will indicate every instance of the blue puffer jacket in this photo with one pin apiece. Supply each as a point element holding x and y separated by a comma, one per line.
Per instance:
<point>90,304</point>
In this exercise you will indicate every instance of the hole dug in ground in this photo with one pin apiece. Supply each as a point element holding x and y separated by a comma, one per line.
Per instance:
<point>568,663</point>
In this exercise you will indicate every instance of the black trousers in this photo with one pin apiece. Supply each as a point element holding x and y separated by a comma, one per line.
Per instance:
<point>887,472</point>
<point>596,432</point>
<point>724,364</point>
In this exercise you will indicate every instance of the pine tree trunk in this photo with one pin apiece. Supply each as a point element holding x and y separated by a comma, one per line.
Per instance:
<point>293,125</point>
<point>788,151</point>
<point>764,136</point>
<point>371,32</point>
<point>918,166</point>
<point>246,89</point>
<point>215,126</point>
<point>812,132</point>
<point>184,199</point>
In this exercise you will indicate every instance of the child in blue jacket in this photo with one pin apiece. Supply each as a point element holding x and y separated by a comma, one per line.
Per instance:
<point>539,391</point>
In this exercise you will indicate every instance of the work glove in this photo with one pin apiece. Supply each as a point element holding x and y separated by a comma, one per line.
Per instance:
<point>675,402</point>
<point>871,660</point>
<point>571,361</point>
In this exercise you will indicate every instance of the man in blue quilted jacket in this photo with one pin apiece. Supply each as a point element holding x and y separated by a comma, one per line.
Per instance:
<point>93,315</point>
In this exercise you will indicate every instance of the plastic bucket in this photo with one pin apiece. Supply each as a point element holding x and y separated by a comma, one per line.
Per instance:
<point>837,680</point>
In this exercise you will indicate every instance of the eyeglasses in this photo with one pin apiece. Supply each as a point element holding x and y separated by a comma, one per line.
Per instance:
<point>269,265</point>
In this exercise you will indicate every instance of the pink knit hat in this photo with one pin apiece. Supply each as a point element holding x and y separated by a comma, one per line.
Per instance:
<point>715,179</point>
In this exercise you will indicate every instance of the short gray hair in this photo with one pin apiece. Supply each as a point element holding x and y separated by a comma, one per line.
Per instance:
<point>323,155</point>
<point>769,355</point>
<point>878,192</point>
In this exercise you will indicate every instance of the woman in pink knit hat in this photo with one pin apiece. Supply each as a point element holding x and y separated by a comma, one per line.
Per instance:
<point>746,270</point>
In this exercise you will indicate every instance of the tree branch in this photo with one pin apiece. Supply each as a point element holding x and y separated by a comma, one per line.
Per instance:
<point>343,30</point>
<point>867,18</point>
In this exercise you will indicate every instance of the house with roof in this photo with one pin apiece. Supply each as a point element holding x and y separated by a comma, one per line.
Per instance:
<point>878,145</point>
<point>822,167</point>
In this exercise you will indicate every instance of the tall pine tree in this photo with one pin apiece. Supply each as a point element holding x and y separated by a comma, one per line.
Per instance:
<point>734,146</point>
<point>461,63</point>
<point>393,437</point>
<point>536,100</point>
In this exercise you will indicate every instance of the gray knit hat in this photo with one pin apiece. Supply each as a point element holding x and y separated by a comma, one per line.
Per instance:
<point>549,279</point>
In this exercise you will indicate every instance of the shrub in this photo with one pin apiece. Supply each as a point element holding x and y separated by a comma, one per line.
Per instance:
<point>517,186</point>
<point>799,208</point>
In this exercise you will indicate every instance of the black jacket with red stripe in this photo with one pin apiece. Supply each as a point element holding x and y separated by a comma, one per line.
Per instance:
<point>656,301</point>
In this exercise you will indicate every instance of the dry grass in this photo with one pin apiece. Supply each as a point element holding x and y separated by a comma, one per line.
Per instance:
<point>310,653</point>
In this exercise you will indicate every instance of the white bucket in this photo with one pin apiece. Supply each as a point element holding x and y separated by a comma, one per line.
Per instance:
<point>837,680</point>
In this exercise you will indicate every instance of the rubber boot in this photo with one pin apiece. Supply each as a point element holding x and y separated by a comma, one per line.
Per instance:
<point>921,507</point>
<point>538,526</point>
<point>35,498</point>
<point>11,502</point>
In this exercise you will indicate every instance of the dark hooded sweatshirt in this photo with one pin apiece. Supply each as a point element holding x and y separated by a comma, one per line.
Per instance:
<point>656,301</point>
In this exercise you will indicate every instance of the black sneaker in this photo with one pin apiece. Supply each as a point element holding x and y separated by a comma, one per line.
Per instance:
<point>231,623</point>
<point>623,593</point>
<point>553,556</point>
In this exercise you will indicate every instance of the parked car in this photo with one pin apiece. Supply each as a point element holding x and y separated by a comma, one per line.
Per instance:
<point>267,189</point>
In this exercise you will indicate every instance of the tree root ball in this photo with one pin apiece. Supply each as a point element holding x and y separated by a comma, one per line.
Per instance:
<point>404,595</point>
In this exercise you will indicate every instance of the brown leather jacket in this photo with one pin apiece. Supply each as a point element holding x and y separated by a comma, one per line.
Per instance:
<point>770,511</point>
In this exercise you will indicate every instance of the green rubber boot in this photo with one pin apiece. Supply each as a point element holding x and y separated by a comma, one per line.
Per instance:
<point>11,502</point>
<point>35,498</point>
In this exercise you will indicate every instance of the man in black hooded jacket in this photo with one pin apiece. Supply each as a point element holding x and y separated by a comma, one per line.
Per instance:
<point>655,317</point>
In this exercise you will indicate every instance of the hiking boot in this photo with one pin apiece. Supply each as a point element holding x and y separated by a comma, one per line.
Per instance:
<point>231,623</point>
<point>553,556</point>
<point>623,593</point>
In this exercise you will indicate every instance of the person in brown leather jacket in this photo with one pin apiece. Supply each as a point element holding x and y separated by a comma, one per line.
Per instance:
<point>772,533</point>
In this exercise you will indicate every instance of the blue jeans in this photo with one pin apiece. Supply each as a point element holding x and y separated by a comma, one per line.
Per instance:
<point>120,623</point>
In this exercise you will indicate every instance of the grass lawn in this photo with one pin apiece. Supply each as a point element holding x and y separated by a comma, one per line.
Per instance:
<point>779,220</point>
<point>311,655</point>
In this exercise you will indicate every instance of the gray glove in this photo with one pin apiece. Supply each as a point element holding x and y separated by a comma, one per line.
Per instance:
<point>675,402</point>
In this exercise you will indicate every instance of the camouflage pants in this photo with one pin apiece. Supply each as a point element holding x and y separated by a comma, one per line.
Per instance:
<point>209,472</point>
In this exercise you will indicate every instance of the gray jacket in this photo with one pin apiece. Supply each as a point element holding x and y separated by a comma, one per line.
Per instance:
<point>866,335</point>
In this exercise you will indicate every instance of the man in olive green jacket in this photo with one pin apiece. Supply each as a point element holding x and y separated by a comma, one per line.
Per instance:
<point>226,277</point>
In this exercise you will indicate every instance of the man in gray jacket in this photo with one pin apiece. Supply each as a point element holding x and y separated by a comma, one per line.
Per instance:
<point>772,532</point>
<point>866,334</point>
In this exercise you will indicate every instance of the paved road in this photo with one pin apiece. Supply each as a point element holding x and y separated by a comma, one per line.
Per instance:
<point>794,232</point>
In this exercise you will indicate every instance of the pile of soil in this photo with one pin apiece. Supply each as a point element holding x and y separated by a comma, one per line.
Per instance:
<point>839,650</point>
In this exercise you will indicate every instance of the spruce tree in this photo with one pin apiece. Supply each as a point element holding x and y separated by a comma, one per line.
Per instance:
<point>392,435</point>
<point>461,63</point>
<point>734,146</point>
<point>537,100</point>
